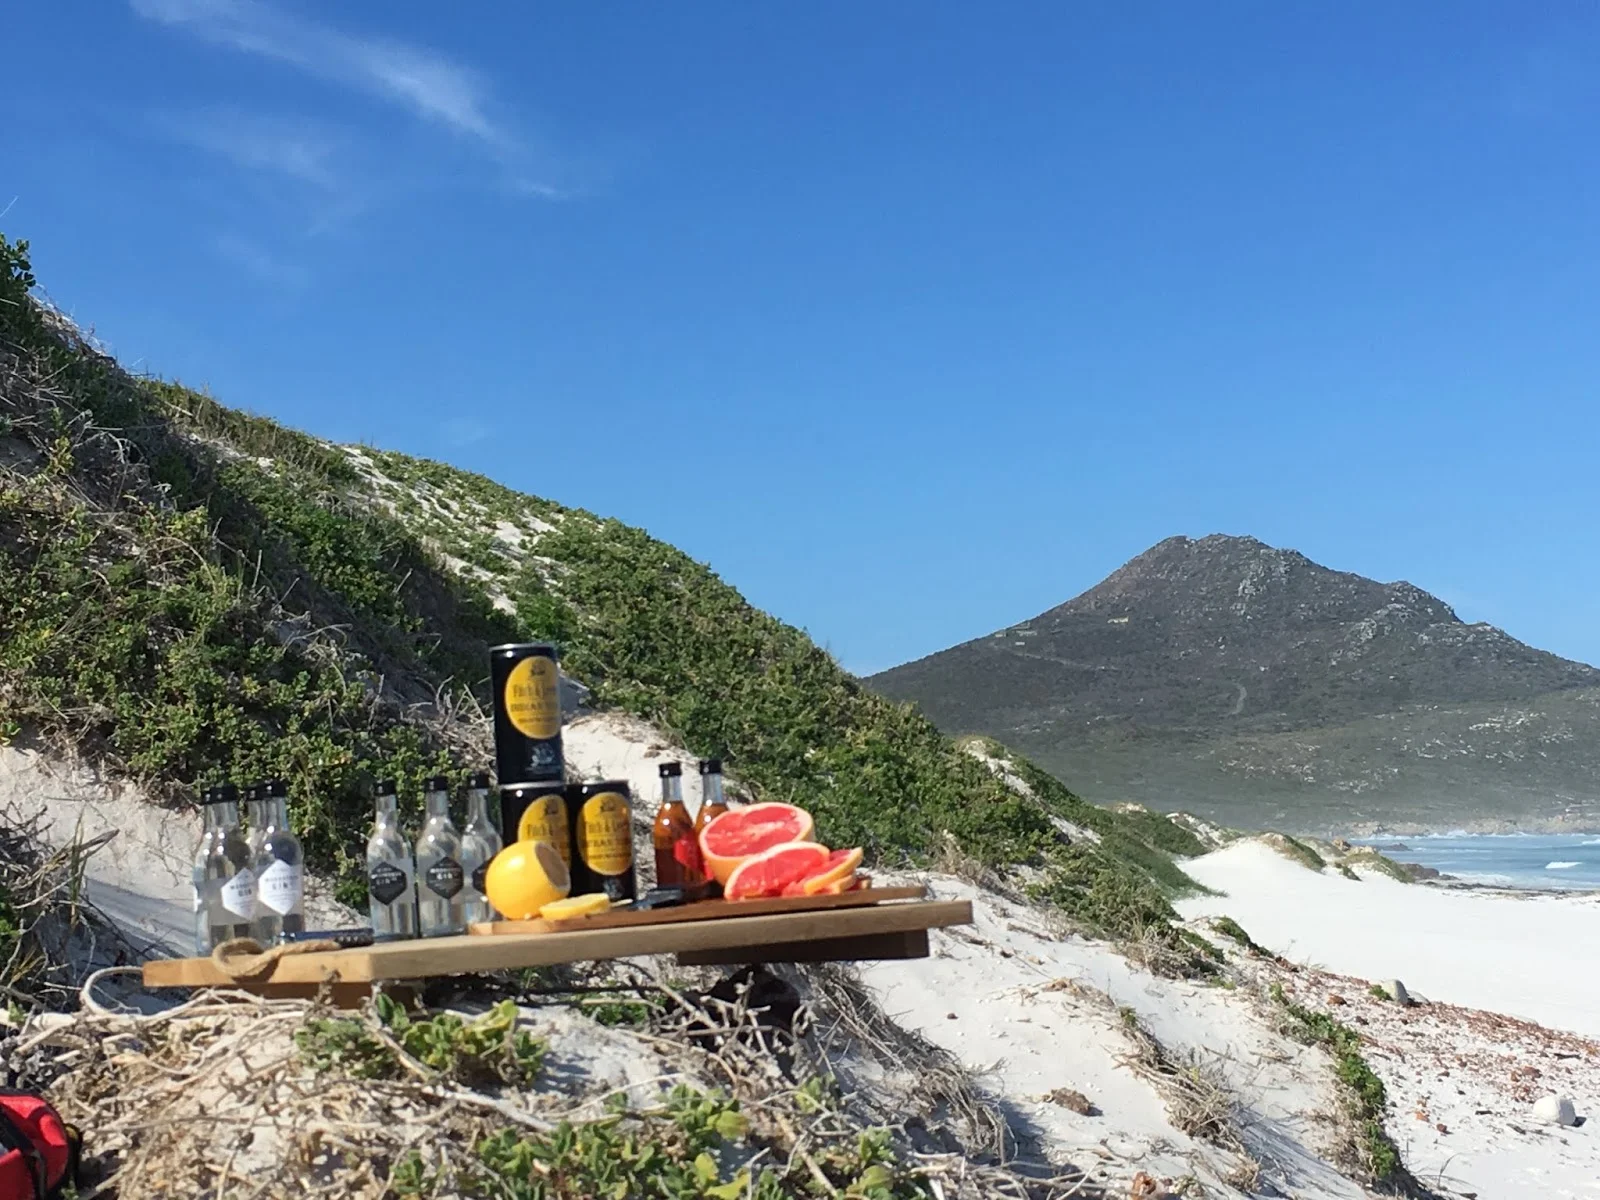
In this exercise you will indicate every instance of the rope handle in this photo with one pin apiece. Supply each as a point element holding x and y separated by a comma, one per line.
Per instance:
<point>244,959</point>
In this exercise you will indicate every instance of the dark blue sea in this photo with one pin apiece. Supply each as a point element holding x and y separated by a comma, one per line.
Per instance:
<point>1524,860</point>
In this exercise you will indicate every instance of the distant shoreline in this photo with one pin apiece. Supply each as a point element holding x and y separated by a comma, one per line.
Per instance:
<point>1477,827</point>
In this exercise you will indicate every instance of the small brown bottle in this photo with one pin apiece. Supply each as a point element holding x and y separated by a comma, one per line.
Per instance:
<point>677,851</point>
<point>712,802</point>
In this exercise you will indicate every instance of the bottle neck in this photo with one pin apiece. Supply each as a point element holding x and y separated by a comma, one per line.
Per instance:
<point>275,813</point>
<point>671,789</point>
<point>438,804</point>
<point>386,808</point>
<point>711,788</point>
<point>221,816</point>
<point>477,805</point>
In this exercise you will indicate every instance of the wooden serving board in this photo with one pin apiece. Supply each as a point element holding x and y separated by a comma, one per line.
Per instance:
<point>867,932</point>
<point>701,910</point>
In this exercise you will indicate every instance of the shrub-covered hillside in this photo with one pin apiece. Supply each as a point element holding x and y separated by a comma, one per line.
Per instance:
<point>188,592</point>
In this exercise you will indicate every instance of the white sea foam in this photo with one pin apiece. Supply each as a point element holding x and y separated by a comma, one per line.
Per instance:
<point>1561,866</point>
<point>1591,842</point>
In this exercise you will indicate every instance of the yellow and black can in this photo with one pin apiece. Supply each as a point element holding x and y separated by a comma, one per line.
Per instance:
<point>601,818</point>
<point>537,812</point>
<point>527,713</point>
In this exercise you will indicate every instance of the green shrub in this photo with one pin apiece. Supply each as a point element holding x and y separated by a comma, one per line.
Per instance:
<point>239,600</point>
<point>1366,1091</point>
<point>1231,929</point>
<point>489,1048</point>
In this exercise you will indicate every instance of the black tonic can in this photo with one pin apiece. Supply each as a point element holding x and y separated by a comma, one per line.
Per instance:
<point>601,818</point>
<point>537,812</point>
<point>527,713</point>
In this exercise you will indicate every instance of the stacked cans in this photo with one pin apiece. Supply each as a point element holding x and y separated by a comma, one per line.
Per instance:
<point>589,824</point>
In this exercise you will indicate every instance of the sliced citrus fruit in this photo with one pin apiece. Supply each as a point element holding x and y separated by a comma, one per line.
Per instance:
<point>841,864</point>
<point>523,878</point>
<point>741,833</point>
<point>772,870</point>
<point>575,906</point>
<point>834,887</point>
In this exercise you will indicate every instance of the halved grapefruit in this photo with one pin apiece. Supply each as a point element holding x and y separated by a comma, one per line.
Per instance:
<point>771,871</point>
<point>741,833</point>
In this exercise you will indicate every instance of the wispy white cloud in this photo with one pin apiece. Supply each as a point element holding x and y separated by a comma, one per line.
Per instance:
<point>429,84</point>
<point>260,143</point>
<point>464,431</point>
<point>258,262</point>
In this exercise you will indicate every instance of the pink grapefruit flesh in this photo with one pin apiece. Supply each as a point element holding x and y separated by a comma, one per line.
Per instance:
<point>841,864</point>
<point>742,833</point>
<point>773,869</point>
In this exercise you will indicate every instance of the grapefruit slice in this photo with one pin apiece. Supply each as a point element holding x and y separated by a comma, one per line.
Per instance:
<point>772,870</point>
<point>740,833</point>
<point>841,864</point>
<point>810,886</point>
<point>834,887</point>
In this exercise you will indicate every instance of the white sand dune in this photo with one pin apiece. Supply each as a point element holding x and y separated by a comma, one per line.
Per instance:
<point>1525,955</point>
<point>1501,974</point>
<point>1031,1012</point>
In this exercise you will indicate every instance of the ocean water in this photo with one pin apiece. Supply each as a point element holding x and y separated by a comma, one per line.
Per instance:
<point>1524,860</point>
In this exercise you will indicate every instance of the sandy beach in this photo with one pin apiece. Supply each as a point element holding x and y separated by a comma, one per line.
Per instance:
<point>1505,1012</point>
<point>1517,953</point>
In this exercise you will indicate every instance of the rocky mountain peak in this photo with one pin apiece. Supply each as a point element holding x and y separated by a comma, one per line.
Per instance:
<point>1227,637</point>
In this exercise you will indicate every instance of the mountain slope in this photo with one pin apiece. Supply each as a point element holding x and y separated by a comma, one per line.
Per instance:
<point>188,592</point>
<point>1251,683</point>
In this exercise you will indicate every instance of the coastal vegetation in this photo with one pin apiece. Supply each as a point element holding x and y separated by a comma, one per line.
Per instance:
<point>193,593</point>
<point>1365,1093</point>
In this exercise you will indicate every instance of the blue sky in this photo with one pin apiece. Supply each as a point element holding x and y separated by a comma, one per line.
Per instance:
<point>912,319</point>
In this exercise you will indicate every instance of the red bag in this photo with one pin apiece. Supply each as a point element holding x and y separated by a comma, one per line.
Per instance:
<point>38,1150</point>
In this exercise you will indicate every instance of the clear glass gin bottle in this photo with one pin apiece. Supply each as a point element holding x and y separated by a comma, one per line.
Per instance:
<point>391,871</point>
<point>224,888</point>
<point>439,878</point>
<point>480,842</point>
<point>279,869</point>
<point>254,818</point>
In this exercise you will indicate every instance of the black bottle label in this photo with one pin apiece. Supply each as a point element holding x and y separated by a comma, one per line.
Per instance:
<point>444,878</point>
<point>386,882</point>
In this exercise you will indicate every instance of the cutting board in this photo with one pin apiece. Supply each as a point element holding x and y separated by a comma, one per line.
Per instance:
<point>702,910</point>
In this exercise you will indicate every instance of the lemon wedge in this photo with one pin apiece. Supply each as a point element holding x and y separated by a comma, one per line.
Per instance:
<point>575,906</point>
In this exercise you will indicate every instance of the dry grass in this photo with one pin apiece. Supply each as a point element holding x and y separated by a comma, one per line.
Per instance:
<point>50,935</point>
<point>1198,1103</point>
<point>212,1098</point>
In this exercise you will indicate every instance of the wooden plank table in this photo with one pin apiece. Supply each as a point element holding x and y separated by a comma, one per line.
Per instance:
<point>886,929</point>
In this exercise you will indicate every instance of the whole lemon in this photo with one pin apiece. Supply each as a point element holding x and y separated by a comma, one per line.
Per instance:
<point>524,877</point>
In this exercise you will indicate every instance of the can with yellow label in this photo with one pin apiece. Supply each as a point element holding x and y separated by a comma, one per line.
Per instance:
<point>536,812</point>
<point>527,713</point>
<point>601,818</point>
